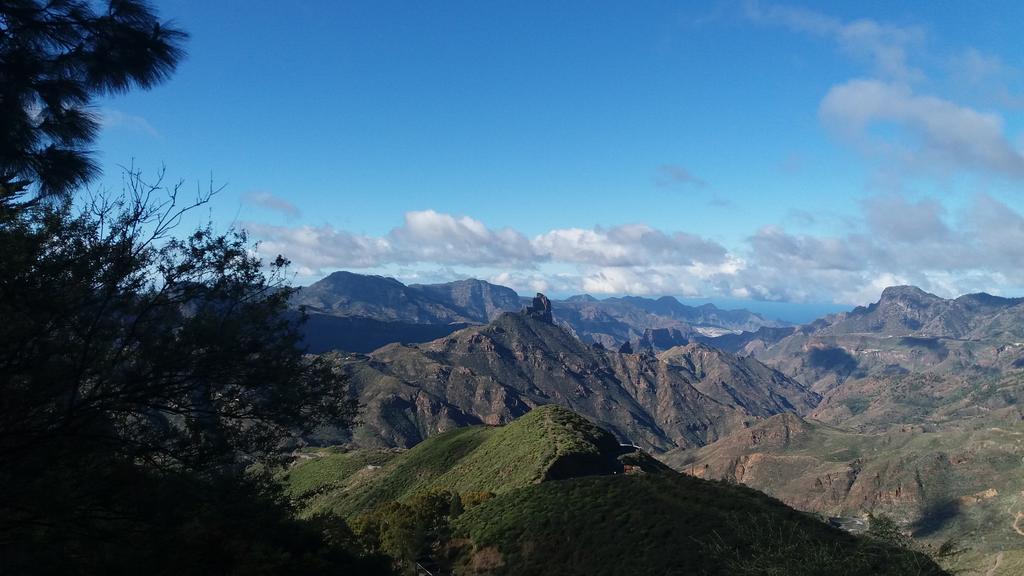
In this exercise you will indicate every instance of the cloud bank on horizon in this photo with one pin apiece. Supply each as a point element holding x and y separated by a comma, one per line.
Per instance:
<point>901,242</point>
<point>896,116</point>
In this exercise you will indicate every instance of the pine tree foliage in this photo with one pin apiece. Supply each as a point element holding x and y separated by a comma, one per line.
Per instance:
<point>56,56</point>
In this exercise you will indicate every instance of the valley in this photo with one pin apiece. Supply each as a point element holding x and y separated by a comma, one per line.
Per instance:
<point>511,288</point>
<point>907,408</point>
<point>550,492</point>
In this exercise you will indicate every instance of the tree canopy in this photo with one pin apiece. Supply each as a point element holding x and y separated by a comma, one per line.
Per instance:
<point>149,378</point>
<point>56,57</point>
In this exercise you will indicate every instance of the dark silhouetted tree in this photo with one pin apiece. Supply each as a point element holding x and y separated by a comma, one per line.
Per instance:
<point>56,56</point>
<point>143,376</point>
<point>148,380</point>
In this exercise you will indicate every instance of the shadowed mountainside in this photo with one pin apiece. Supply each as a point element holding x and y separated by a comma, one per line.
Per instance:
<point>686,396</point>
<point>393,312</point>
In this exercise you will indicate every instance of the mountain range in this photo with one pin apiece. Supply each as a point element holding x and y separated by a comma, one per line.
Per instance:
<point>910,358</point>
<point>907,407</point>
<point>360,313</point>
<point>920,418</point>
<point>686,396</point>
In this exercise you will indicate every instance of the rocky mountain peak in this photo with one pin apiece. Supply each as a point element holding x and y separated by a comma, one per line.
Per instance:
<point>581,298</point>
<point>540,309</point>
<point>907,294</point>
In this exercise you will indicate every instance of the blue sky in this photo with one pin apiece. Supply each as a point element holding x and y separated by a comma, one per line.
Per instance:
<point>773,152</point>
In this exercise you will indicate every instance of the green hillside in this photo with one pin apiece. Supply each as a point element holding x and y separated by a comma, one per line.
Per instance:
<point>662,524</point>
<point>570,500</point>
<point>549,442</point>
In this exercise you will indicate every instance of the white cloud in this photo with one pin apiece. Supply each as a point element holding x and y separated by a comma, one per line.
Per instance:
<point>314,249</point>
<point>527,282</point>
<point>885,46</point>
<point>111,118</point>
<point>986,78</point>
<point>895,218</point>
<point>996,233</point>
<point>931,134</point>
<point>627,245</point>
<point>435,237</point>
<point>899,241</point>
<point>887,116</point>
<point>676,175</point>
<point>896,240</point>
<point>271,202</point>
<point>774,247</point>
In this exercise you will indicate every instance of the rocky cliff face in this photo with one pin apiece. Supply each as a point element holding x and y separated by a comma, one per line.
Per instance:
<point>908,331</point>
<point>743,381</point>
<point>940,483</point>
<point>494,373</point>
<point>375,297</point>
<point>481,301</point>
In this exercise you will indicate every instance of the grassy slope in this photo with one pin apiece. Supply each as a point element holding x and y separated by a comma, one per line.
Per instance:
<point>323,468</point>
<point>662,524</point>
<point>610,524</point>
<point>476,458</point>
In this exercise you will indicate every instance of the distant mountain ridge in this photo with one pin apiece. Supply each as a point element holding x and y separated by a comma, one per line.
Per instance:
<point>910,311</point>
<point>920,418</point>
<point>476,299</point>
<point>684,397</point>
<point>907,332</point>
<point>395,312</point>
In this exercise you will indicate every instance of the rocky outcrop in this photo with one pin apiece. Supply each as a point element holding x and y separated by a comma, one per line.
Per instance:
<point>540,309</point>
<point>659,339</point>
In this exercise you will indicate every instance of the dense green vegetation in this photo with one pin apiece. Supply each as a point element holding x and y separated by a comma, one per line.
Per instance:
<point>323,469</point>
<point>663,524</point>
<point>550,494</point>
<point>548,442</point>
